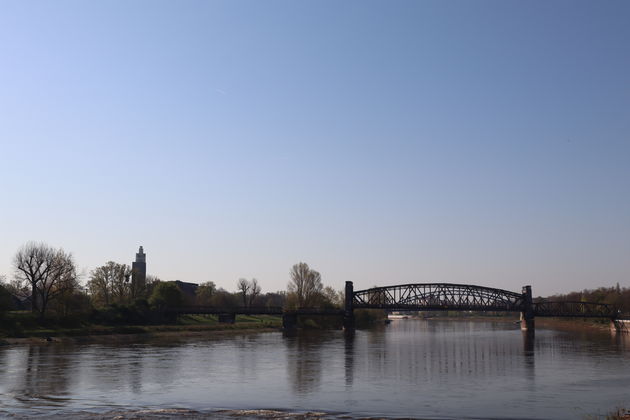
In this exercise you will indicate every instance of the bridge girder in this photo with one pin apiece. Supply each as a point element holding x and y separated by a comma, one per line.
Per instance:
<point>438,296</point>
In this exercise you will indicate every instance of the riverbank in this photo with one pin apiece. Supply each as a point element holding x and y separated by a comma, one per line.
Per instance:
<point>187,326</point>
<point>252,414</point>
<point>199,326</point>
<point>507,319</point>
<point>183,413</point>
<point>562,324</point>
<point>573,324</point>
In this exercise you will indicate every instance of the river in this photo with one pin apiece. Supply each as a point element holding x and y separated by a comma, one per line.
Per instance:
<point>433,369</point>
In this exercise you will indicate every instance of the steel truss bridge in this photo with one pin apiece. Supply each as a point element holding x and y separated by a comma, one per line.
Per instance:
<point>465,297</point>
<point>424,297</point>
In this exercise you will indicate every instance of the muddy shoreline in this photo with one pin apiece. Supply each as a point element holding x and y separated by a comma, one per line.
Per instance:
<point>135,337</point>
<point>563,324</point>
<point>203,331</point>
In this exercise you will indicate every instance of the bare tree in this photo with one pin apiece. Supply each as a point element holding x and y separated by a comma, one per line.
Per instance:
<point>44,271</point>
<point>109,284</point>
<point>306,284</point>
<point>243,287</point>
<point>333,297</point>
<point>254,291</point>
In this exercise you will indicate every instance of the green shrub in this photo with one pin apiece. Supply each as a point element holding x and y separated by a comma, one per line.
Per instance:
<point>138,312</point>
<point>364,318</point>
<point>166,295</point>
<point>6,303</point>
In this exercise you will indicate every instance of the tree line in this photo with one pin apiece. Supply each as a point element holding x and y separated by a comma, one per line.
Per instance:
<point>46,280</point>
<point>617,296</point>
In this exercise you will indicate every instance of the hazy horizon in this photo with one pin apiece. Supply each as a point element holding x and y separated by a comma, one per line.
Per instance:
<point>379,142</point>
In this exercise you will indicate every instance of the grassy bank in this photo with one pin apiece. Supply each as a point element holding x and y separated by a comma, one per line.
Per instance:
<point>574,324</point>
<point>24,327</point>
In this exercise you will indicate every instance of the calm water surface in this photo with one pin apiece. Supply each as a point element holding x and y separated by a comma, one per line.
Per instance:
<point>411,368</point>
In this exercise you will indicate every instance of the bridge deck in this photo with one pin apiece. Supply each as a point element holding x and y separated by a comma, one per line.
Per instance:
<point>211,310</point>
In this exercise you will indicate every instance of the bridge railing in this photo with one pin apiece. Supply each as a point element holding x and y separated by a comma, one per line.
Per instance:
<point>440,307</point>
<point>213,310</point>
<point>251,310</point>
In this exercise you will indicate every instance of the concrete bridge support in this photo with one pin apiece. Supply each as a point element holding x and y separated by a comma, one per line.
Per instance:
<point>289,320</point>
<point>227,318</point>
<point>348,315</point>
<point>527,316</point>
<point>620,326</point>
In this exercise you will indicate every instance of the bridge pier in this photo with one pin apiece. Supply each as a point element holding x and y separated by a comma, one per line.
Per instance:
<point>289,320</point>
<point>527,324</point>
<point>227,318</point>
<point>620,326</point>
<point>527,315</point>
<point>348,315</point>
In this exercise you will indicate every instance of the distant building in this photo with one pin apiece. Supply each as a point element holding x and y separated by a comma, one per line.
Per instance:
<point>188,290</point>
<point>139,279</point>
<point>139,274</point>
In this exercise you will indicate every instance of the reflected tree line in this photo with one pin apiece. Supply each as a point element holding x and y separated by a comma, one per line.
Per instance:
<point>49,373</point>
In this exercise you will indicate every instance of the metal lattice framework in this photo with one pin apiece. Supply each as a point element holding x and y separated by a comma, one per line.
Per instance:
<point>431,297</point>
<point>575,309</point>
<point>438,297</point>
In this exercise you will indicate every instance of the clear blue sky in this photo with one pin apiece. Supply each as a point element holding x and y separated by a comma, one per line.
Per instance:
<point>381,142</point>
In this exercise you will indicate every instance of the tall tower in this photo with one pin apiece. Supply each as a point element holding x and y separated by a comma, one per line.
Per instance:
<point>138,274</point>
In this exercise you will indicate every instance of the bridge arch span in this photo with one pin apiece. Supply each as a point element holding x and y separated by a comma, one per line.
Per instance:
<point>438,296</point>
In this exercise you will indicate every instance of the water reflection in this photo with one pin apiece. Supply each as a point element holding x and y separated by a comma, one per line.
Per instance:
<point>38,365</point>
<point>129,368</point>
<point>422,351</point>
<point>528,342</point>
<point>305,357</point>
<point>411,368</point>
<point>529,359</point>
<point>621,342</point>
<point>348,360</point>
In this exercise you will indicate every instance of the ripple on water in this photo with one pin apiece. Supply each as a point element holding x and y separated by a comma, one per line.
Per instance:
<point>410,369</point>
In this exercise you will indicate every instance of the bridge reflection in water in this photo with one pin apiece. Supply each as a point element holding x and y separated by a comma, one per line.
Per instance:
<point>410,368</point>
<point>454,349</point>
